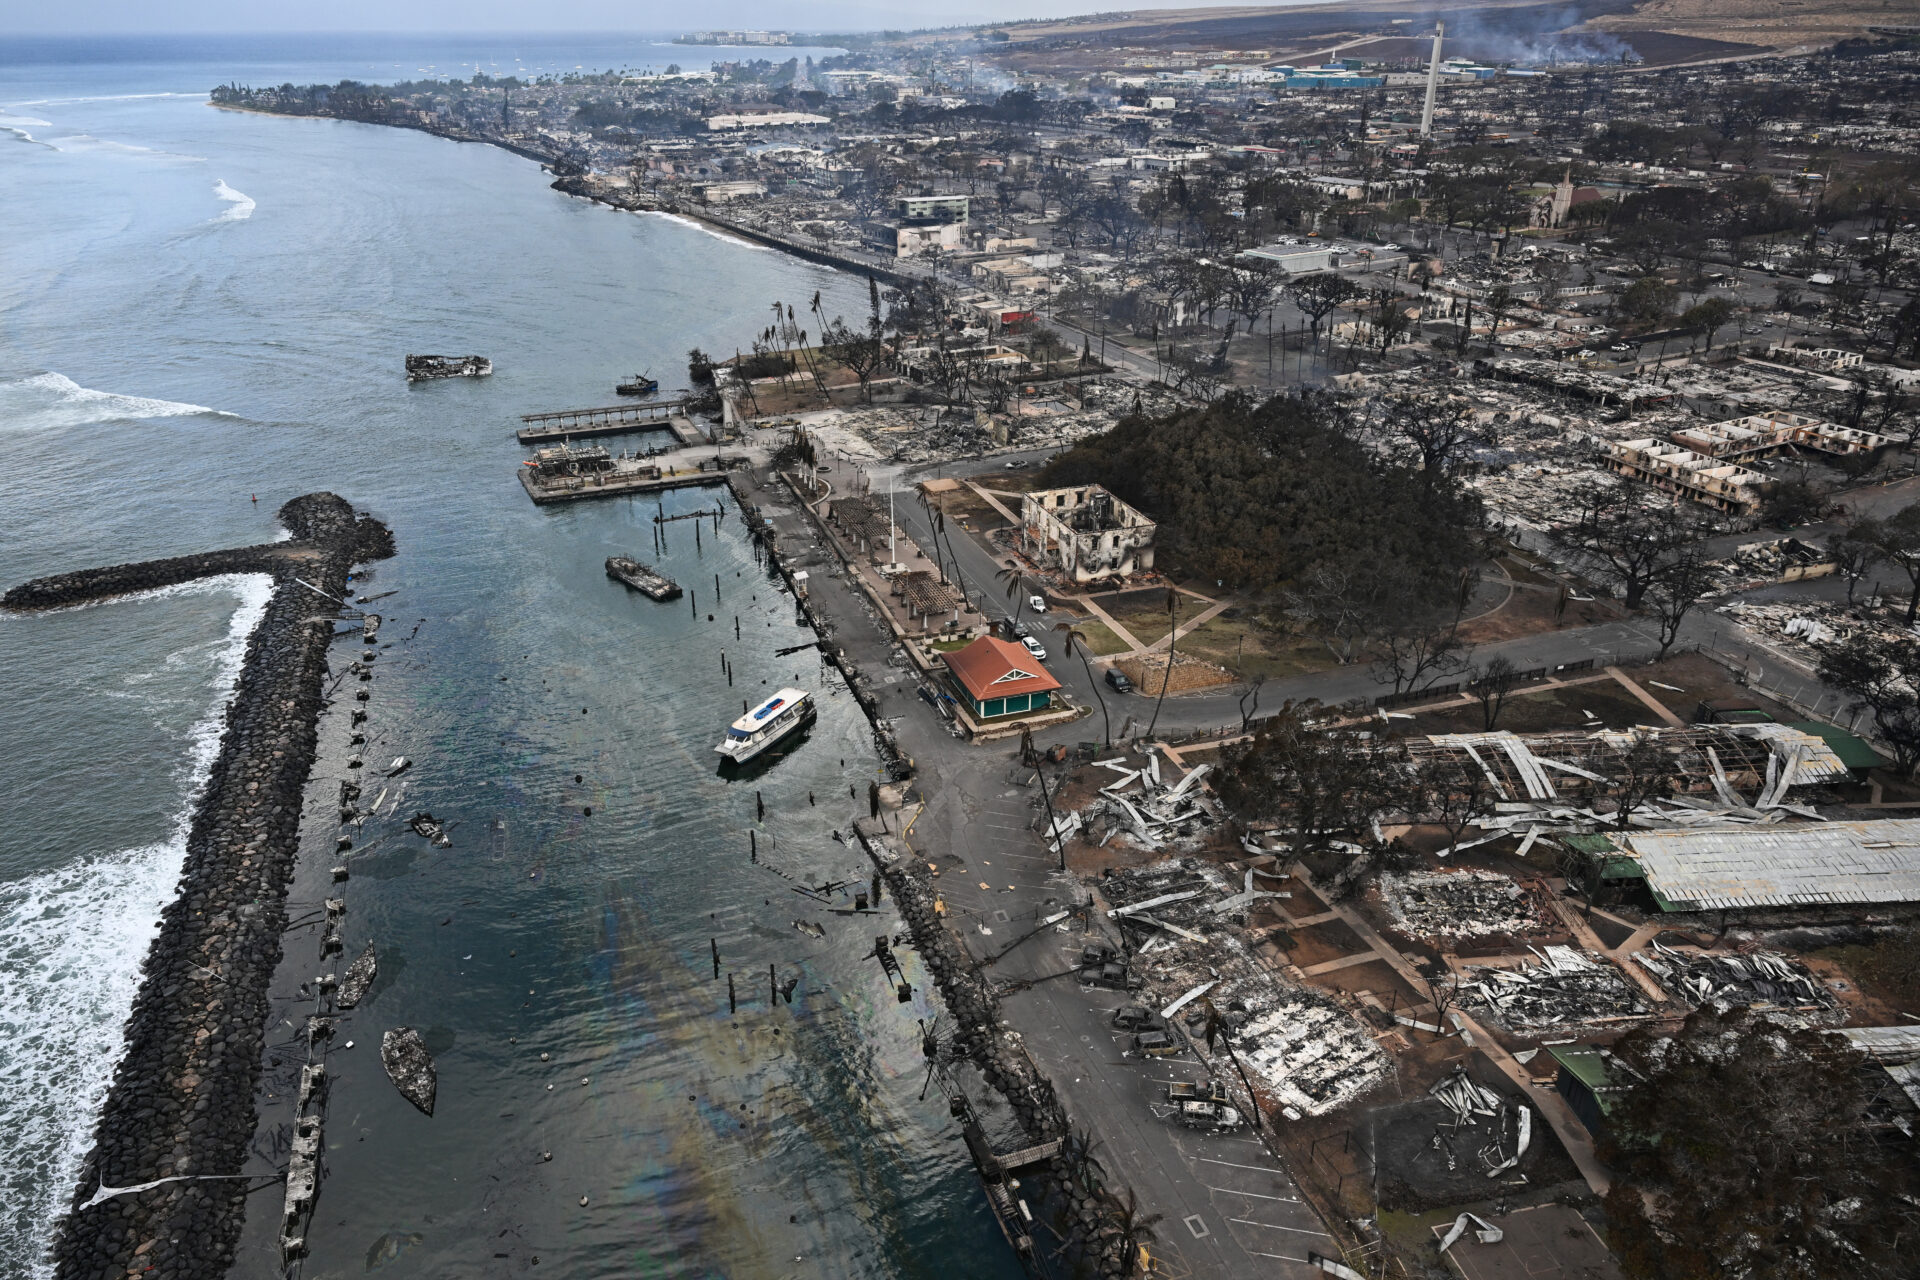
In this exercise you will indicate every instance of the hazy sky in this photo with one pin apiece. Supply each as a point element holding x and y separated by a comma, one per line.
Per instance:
<point>107,17</point>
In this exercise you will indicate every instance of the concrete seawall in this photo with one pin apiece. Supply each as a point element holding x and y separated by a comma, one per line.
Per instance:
<point>181,1105</point>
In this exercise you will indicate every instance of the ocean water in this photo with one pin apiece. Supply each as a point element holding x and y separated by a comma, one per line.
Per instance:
<point>202,308</point>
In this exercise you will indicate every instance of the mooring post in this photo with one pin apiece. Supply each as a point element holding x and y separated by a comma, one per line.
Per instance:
<point>773,989</point>
<point>753,843</point>
<point>715,944</point>
<point>760,805</point>
<point>733,1005</point>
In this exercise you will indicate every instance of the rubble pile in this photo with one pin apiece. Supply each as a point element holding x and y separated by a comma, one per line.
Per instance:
<point>1459,904</point>
<point>1762,980</point>
<point>1498,1146</point>
<point>1159,906</point>
<point>1786,558</point>
<point>1148,812</point>
<point>1553,781</point>
<point>1803,627</point>
<point>1312,1054</point>
<point>1568,988</point>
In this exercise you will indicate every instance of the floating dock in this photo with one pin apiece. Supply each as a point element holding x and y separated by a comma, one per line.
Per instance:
<point>580,424</point>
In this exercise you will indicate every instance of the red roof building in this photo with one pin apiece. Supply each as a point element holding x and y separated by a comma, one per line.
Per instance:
<point>1000,678</point>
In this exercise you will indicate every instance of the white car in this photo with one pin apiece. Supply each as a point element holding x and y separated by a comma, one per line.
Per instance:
<point>1032,646</point>
<point>1037,604</point>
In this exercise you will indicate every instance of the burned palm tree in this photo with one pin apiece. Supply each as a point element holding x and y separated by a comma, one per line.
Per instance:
<point>1217,1028</point>
<point>1068,635</point>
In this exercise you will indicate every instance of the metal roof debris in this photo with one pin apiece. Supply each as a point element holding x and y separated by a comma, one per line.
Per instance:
<point>1761,980</point>
<point>1568,988</point>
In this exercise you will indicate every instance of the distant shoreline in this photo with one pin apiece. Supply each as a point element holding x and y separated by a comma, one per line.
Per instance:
<point>583,187</point>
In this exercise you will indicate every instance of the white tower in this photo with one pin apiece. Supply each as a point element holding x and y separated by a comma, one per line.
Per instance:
<point>1433,81</point>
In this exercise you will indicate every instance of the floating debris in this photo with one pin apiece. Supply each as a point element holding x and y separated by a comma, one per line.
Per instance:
<point>421,368</point>
<point>353,989</point>
<point>425,824</point>
<point>399,766</point>
<point>409,1066</point>
<point>811,929</point>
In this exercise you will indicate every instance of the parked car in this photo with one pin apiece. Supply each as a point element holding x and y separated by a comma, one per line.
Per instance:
<point>1117,680</point>
<point>1154,1044</point>
<point>1621,346</point>
<point>1032,646</point>
<point>1132,1017</point>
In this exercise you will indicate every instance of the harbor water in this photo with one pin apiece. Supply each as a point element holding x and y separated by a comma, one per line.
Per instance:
<point>201,308</point>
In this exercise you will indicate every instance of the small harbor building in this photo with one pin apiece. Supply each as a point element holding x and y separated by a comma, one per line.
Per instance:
<point>997,678</point>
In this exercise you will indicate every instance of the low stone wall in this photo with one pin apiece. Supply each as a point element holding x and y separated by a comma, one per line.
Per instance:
<point>181,1104</point>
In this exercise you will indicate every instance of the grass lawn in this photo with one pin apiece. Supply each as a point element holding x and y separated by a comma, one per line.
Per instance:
<point>1100,638</point>
<point>948,646</point>
<point>1549,710</point>
<point>1252,652</point>
<point>1144,613</point>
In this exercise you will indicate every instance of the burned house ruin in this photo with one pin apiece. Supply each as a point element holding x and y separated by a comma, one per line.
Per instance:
<point>1085,532</point>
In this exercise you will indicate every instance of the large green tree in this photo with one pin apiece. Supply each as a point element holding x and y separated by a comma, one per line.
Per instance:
<point>1264,495</point>
<point>1744,1151</point>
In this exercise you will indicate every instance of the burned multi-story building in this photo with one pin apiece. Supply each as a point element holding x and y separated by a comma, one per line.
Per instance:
<point>1086,532</point>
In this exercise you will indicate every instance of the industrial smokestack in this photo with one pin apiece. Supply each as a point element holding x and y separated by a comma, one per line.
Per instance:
<point>1433,81</point>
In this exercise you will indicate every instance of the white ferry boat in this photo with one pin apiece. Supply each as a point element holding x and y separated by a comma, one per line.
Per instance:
<point>766,724</point>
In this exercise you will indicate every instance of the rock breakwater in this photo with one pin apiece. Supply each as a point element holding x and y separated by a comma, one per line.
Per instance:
<point>181,1105</point>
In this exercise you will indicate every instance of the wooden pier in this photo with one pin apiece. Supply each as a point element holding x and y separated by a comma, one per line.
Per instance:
<point>613,420</point>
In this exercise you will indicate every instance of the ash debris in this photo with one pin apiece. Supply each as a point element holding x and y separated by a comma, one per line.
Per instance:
<point>1568,988</point>
<point>1761,980</point>
<point>1459,904</point>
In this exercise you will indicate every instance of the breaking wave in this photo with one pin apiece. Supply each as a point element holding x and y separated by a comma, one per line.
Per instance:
<point>72,941</point>
<point>703,227</point>
<point>241,205</point>
<point>46,401</point>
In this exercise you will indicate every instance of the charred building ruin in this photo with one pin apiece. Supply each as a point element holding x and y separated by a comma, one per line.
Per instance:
<point>1086,532</point>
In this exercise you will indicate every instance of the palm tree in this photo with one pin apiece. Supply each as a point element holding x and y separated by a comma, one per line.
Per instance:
<point>1069,635</point>
<point>1173,634</point>
<point>1015,583</point>
<point>1131,1225</point>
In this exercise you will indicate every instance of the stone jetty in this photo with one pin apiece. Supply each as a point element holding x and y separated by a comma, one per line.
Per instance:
<point>181,1105</point>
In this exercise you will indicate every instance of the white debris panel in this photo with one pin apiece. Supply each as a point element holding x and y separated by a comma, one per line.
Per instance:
<point>1567,988</point>
<point>1311,1054</point>
<point>1147,812</point>
<point>1761,980</point>
<point>1728,868</point>
<point>1459,904</point>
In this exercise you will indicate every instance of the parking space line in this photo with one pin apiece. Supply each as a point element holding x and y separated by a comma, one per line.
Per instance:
<point>1257,1195</point>
<point>1284,1257</point>
<point>1257,1168</point>
<point>1274,1226</point>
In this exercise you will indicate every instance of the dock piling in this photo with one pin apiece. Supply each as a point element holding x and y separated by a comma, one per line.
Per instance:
<point>715,944</point>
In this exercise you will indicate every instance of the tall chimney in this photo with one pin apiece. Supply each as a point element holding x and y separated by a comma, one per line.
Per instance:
<point>1433,81</point>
